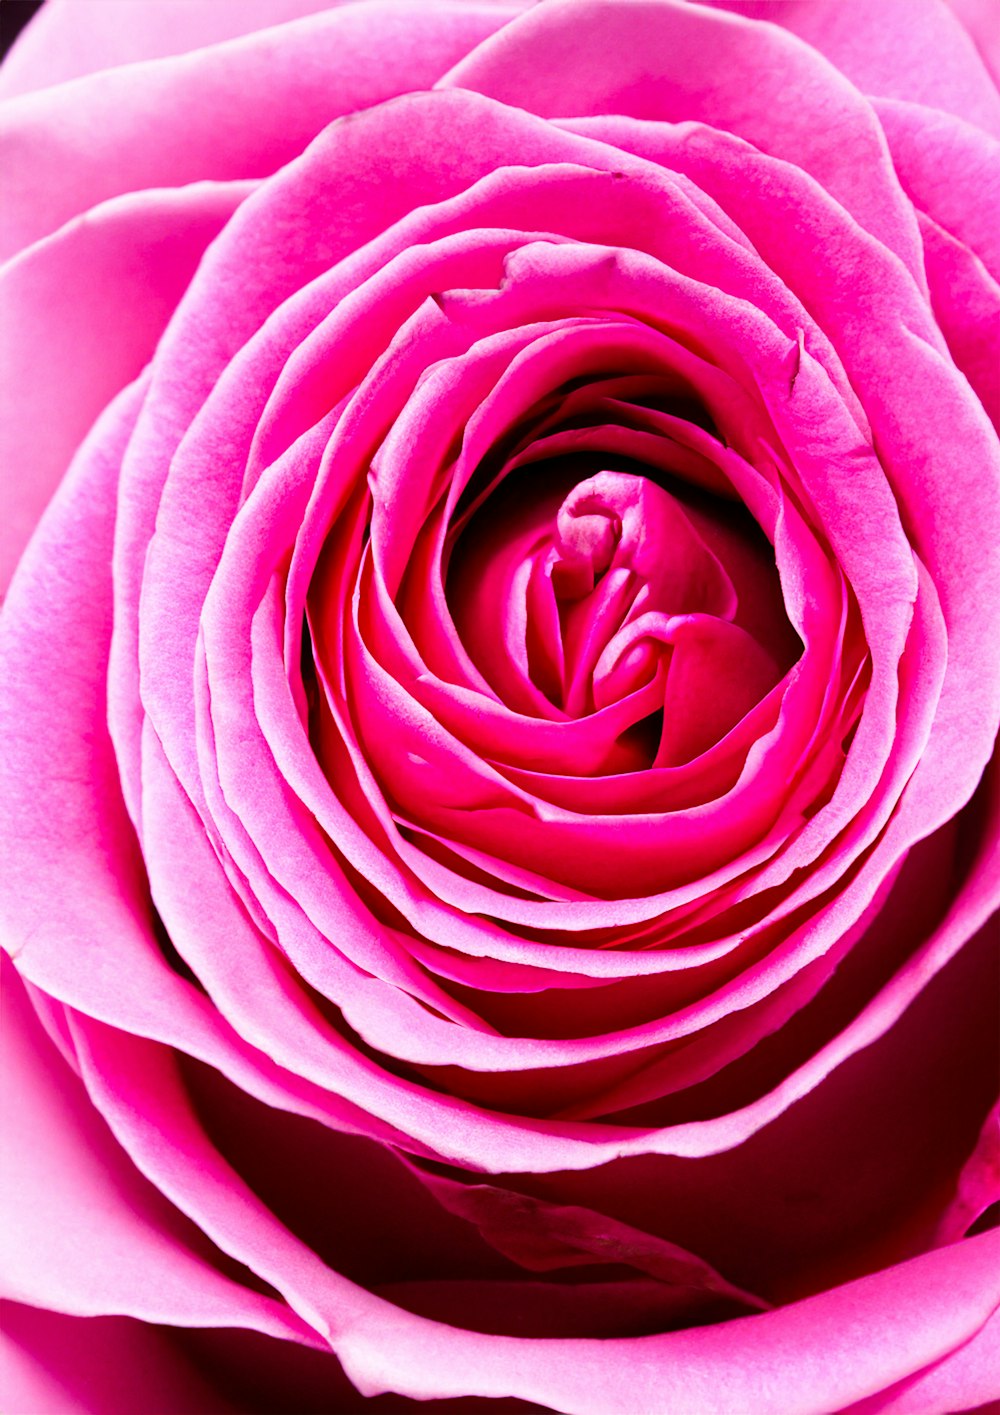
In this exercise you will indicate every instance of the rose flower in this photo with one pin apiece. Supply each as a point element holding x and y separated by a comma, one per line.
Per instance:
<point>500,838</point>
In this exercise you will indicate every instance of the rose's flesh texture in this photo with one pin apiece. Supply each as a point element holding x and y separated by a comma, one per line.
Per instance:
<point>500,707</point>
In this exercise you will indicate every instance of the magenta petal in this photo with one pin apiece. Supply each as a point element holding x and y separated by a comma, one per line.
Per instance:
<point>66,1172</point>
<point>57,47</point>
<point>57,330</point>
<point>963,1380</point>
<point>499,712</point>
<point>933,61</point>
<point>95,129</point>
<point>57,1365</point>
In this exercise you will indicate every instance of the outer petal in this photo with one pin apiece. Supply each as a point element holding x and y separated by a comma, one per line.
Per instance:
<point>65,1175</point>
<point>70,38</point>
<point>979,18</point>
<point>966,1381</point>
<point>852,1340</point>
<point>56,1365</point>
<point>205,108</point>
<point>857,1340</point>
<point>951,171</point>
<point>910,49</point>
<point>578,58</point>
<point>80,315</point>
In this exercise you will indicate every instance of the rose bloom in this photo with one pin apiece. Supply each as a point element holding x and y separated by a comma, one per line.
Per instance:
<point>498,702</point>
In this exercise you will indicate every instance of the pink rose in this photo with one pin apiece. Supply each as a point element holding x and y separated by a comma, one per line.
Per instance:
<point>499,705</point>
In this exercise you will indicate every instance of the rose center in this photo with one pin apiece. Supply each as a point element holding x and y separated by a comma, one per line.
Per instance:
<point>574,595</point>
<point>622,560</point>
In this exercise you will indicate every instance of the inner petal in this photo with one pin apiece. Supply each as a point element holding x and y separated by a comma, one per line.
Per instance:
<point>624,547</point>
<point>578,585</point>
